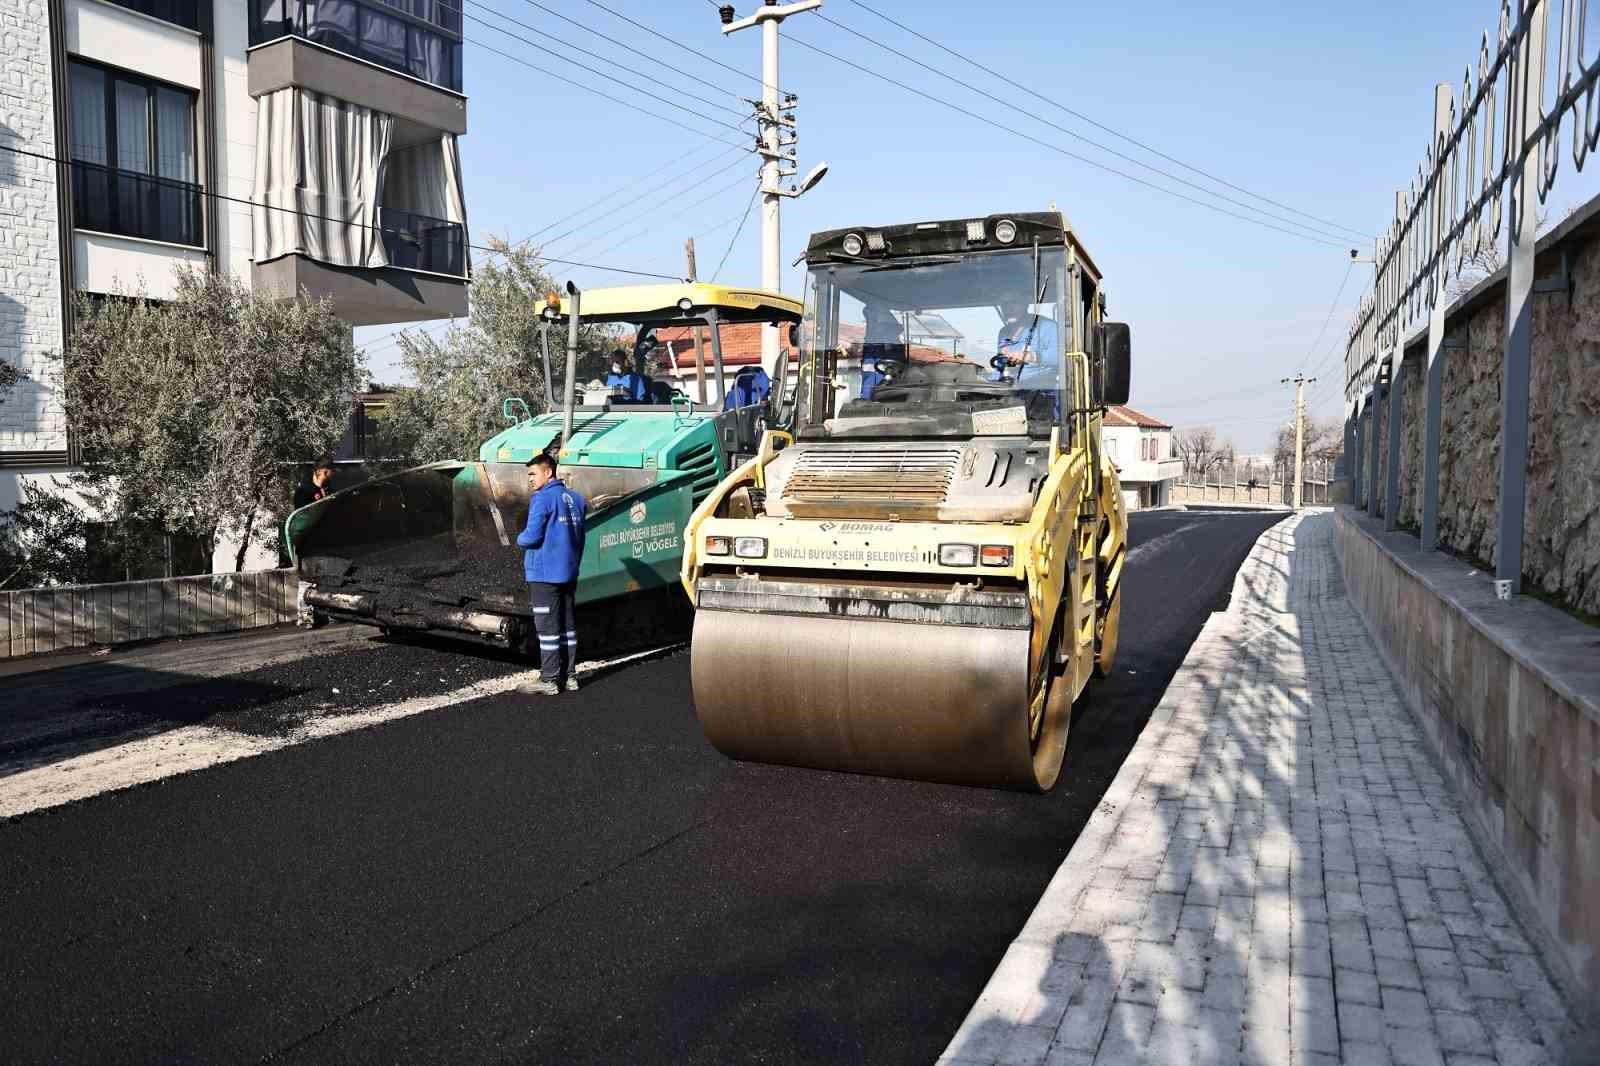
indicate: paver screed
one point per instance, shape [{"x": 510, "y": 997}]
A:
[{"x": 1278, "y": 874}]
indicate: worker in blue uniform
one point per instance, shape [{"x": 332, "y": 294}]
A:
[
  {"x": 626, "y": 383},
  {"x": 552, "y": 543}
]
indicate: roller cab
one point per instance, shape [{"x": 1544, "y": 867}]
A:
[{"x": 919, "y": 573}]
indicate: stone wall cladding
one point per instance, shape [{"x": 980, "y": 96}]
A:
[
  {"x": 1561, "y": 535},
  {"x": 31, "y": 419},
  {"x": 1411, "y": 415},
  {"x": 1561, "y": 542}
]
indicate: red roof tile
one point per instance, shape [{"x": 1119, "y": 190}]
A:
[{"x": 1122, "y": 415}]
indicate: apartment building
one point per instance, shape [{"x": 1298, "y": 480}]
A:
[{"x": 297, "y": 144}]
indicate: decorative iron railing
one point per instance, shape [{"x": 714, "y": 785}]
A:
[
  {"x": 1493, "y": 158},
  {"x": 1507, "y": 123}
]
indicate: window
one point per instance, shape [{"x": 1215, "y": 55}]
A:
[
  {"x": 184, "y": 13},
  {"x": 132, "y": 145},
  {"x": 1111, "y": 446}
]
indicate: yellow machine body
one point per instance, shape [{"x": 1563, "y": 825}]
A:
[{"x": 884, "y": 591}]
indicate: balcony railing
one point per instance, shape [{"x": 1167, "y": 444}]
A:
[
  {"x": 136, "y": 205},
  {"x": 421, "y": 38},
  {"x": 418, "y": 242}
]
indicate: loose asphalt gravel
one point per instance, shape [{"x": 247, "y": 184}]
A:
[{"x": 576, "y": 880}]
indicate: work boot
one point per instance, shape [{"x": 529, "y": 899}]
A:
[
  {"x": 540, "y": 687},
  {"x": 572, "y": 683}
]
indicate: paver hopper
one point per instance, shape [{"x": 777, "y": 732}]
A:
[{"x": 434, "y": 547}]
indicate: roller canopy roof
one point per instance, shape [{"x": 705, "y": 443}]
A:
[{"x": 650, "y": 305}]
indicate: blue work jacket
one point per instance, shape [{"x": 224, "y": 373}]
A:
[
  {"x": 634, "y": 385},
  {"x": 553, "y": 538}
]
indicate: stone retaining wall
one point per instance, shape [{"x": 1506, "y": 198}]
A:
[
  {"x": 1508, "y": 696},
  {"x": 36, "y": 621},
  {"x": 1561, "y": 536}
]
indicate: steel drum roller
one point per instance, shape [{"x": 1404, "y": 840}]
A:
[{"x": 923, "y": 701}]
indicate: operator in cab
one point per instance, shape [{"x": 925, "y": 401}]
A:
[
  {"x": 633, "y": 385},
  {"x": 1029, "y": 341},
  {"x": 881, "y": 343}
]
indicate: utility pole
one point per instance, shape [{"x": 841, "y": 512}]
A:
[
  {"x": 775, "y": 117},
  {"x": 699, "y": 334},
  {"x": 1300, "y": 383}
]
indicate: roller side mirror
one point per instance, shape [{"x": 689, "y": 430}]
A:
[{"x": 1115, "y": 343}]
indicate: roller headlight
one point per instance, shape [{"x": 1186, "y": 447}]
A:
[
  {"x": 852, "y": 244},
  {"x": 716, "y": 545},
  {"x": 750, "y": 547},
  {"x": 958, "y": 555},
  {"x": 975, "y": 234},
  {"x": 1005, "y": 231},
  {"x": 686, "y": 305}
]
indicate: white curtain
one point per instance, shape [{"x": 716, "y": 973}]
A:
[{"x": 319, "y": 167}]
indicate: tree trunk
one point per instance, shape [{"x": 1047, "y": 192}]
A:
[{"x": 244, "y": 541}]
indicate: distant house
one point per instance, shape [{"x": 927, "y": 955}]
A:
[{"x": 1141, "y": 447}]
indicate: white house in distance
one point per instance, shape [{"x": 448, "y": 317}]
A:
[{"x": 1141, "y": 447}]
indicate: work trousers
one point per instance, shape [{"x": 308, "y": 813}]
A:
[{"x": 555, "y": 622}]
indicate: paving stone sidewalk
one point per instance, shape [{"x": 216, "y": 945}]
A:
[{"x": 1278, "y": 874}]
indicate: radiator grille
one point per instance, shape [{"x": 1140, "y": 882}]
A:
[{"x": 912, "y": 474}]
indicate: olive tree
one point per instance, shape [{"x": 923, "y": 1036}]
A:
[
  {"x": 462, "y": 377},
  {"x": 190, "y": 412}
]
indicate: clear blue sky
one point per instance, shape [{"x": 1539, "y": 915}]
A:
[{"x": 1326, "y": 108}]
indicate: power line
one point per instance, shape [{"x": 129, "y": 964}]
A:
[
  {"x": 593, "y": 238},
  {"x": 188, "y": 187},
  {"x": 669, "y": 165},
  {"x": 627, "y": 47},
  {"x": 1100, "y": 126},
  {"x": 1073, "y": 133},
  {"x": 654, "y": 96},
  {"x": 594, "y": 55},
  {"x": 1063, "y": 151},
  {"x": 735, "y": 239},
  {"x": 705, "y": 199},
  {"x": 673, "y": 41},
  {"x": 1311, "y": 349},
  {"x": 600, "y": 92}
]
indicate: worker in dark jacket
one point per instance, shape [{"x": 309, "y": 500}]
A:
[
  {"x": 553, "y": 547},
  {"x": 305, "y": 494}
]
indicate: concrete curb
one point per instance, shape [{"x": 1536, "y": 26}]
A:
[{"x": 1016, "y": 981}]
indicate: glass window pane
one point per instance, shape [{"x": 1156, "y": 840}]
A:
[
  {"x": 332, "y": 22},
  {"x": 87, "y": 118},
  {"x": 428, "y": 57},
  {"x": 133, "y": 127},
  {"x": 383, "y": 39},
  {"x": 175, "y": 135}
]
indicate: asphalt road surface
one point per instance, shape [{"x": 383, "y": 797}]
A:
[{"x": 577, "y": 880}]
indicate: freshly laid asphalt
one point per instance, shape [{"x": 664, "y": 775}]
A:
[{"x": 574, "y": 880}]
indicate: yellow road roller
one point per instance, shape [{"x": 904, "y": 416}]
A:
[{"x": 920, "y": 571}]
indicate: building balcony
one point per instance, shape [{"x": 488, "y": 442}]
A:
[
  {"x": 365, "y": 296},
  {"x": 401, "y": 57}
]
